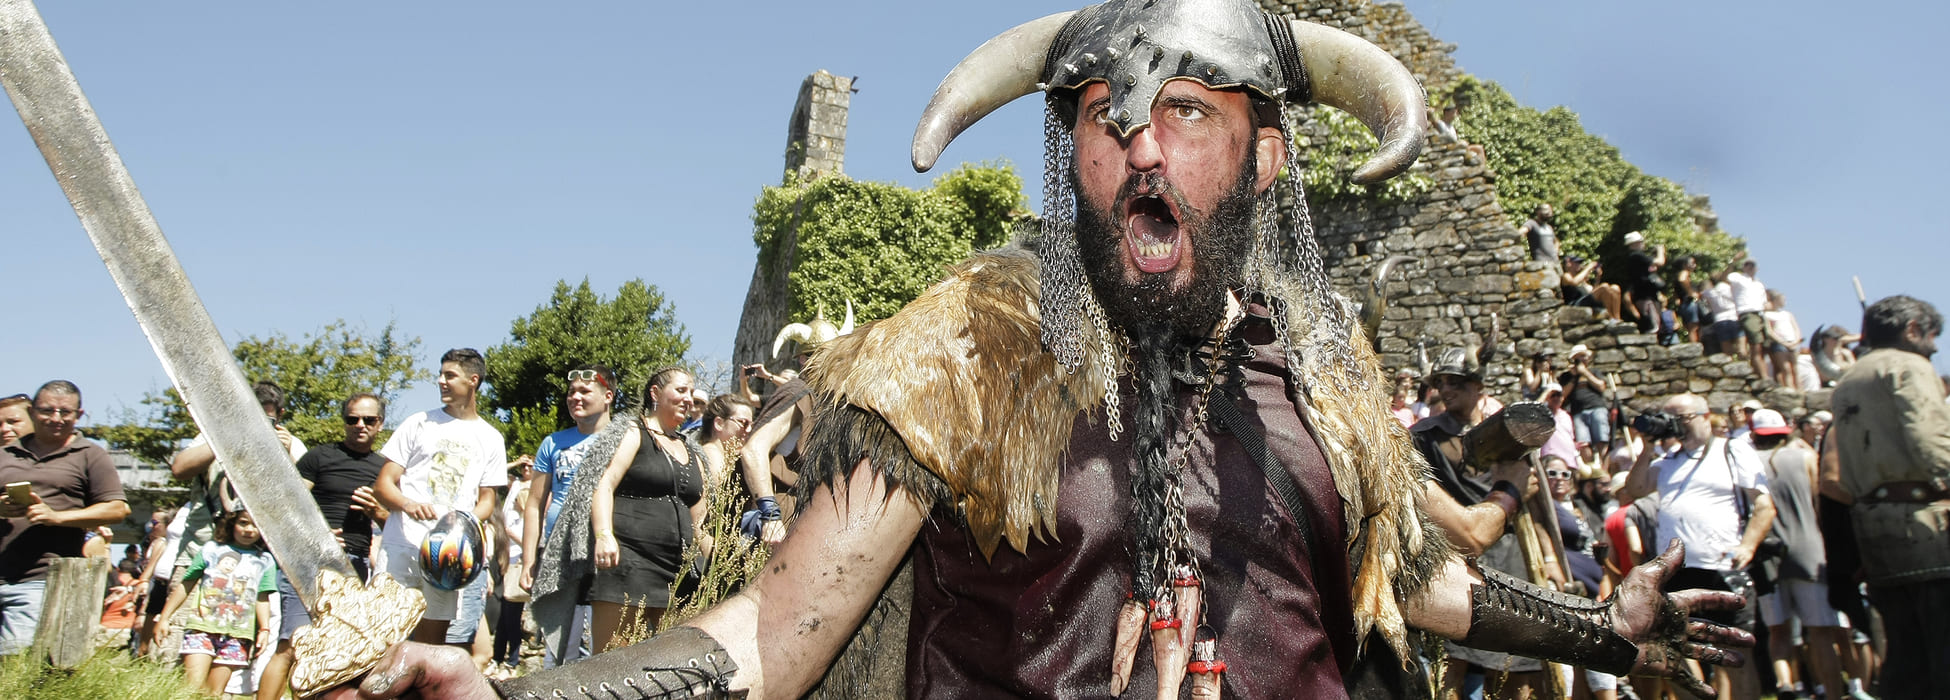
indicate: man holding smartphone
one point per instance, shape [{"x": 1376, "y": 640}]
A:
[{"x": 60, "y": 486}]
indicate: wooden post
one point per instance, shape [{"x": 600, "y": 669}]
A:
[{"x": 71, "y": 611}]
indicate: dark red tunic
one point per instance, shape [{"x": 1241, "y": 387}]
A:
[{"x": 1042, "y": 624}]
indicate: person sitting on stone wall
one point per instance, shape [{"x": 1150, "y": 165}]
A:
[
  {"x": 1584, "y": 393},
  {"x": 1578, "y": 287}
]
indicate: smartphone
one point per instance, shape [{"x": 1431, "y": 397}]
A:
[{"x": 21, "y": 493}]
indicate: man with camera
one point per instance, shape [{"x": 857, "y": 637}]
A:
[{"x": 1713, "y": 497}]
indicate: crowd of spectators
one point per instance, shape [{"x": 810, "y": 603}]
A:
[
  {"x": 1763, "y": 502},
  {"x": 201, "y": 588}
]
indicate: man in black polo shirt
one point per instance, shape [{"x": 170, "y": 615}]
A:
[
  {"x": 75, "y": 489},
  {"x": 341, "y": 476}
]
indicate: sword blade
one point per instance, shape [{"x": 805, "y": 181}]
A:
[{"x": 125, "y": 234}]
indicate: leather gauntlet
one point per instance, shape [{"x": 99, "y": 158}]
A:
[
  {"x": 681, "y": 663},
  {"x": 1515, "y": 617}
]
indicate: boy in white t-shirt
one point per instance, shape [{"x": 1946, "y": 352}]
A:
[{"x": 438, "y": 462}]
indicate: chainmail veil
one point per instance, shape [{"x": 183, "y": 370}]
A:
[
  {"x": 1073, "y": 321},
  {"x": 1316, "y": 321}
]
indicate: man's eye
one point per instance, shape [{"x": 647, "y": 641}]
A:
[{"x": 1187, "y": 112}]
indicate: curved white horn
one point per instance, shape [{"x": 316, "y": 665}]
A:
[
  {"x": 792, "y": 331},
  {"x": 847, "y": 327},
  {"x": 996, "y": 73},
  {"x": 1354, "y": 75}
]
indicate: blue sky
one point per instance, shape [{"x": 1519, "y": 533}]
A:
[{"x": 442, "y": 165}]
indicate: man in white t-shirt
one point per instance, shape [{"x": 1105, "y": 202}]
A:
[
  {"x": 1750, "y": 300},
  {"x": 438, "y": 462},
  {"x": 1703, "y": 488}
]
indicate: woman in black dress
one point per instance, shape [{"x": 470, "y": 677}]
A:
[{"x": 644, "y": 512}]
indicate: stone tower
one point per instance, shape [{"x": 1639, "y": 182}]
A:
[{"x": 815, "y": 146}]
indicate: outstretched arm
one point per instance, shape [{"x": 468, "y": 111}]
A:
[
  {"x": 780, "y": 634},
  {"x": 1638, "y": 630}
]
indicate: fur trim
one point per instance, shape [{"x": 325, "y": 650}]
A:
[
  {"x": 960, "y": 373},
  {"x": 961, "y": 377},
  {"x": 1392, "y": 548}
]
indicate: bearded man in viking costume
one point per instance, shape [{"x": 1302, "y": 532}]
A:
[{"x": 1154, "y": 428}]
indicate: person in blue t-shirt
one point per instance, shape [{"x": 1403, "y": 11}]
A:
[{"x": 592, "y": 392}]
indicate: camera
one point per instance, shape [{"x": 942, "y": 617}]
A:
[{"x": 1658, "y": 425}]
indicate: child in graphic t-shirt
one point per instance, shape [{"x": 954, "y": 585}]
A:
[{"x": 228, "y": 586}]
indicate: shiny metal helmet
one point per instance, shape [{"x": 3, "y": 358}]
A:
[
  {"x": 813, "y": 334},
  {"x": 1134, "y": 47},
  {"x": 454, "y": 551}
]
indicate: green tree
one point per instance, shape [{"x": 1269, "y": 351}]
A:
[
  {"x": 317, "y": 373},
  {"x": 878, "y": 244},
  {"x": 634, "y": 333}
]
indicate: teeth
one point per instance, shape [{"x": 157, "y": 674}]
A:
[{"x": 1154, "y": 250}]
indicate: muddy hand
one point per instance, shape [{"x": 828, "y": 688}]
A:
[
  {"x": 1130, "y": 620},
  {"x": 412, "y": 670},
  {"x": 1661, "y": 625}
]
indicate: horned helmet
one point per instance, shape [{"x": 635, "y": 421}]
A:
[{"x": 813, "y": 334}]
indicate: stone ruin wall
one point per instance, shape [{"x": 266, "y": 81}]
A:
[
  {"x": 815, "y": 146},
  {"x": 1471, "y": 262}
]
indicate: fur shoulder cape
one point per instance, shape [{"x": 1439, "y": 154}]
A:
[{"x": 960, "y": 375}]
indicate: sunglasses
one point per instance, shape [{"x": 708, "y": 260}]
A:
[
  {"x": 588, "y": 375},
  {"x": 368, "y": 420},
  {"x": 1555, "y": 474}
]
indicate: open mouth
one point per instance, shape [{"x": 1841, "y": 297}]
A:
[{"x": 1152, "y": 234}]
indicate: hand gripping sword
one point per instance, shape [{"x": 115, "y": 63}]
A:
[{"x": 125, "y": 234}]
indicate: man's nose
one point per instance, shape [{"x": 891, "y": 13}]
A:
[{"x": 1142, "y": 151}]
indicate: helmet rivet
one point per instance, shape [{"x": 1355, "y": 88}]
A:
[
  {"x": 1090, "y": 59},
  {"x": 1138, "y": 33},
  {"x": 1211, "y": 70},
  {"x": 1124, "y": 116},
  {"x": 1188, "y": 57},
  {"x": 1114, "y": 53},
  {"x": 1130, "y": 80},
  {"x": 1157, "y": 53}
]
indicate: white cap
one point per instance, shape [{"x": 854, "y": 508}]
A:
[
  {"x": 1768, "y": 421},
  {"x": 1579, "y": 349},
  {"x": 1634, "y": 237},
  {"x": 1751, "y": 405}
]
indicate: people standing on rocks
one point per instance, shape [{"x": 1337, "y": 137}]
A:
[
  {"x": 1722, "y": 336},
  {"x": 1643, "y": 282},
  {"x": 1686, "y": 297},
  {"x": 1402, "y": 403},
  {"x": 1541, "y": 370},
  {"x": 1783, "y": 339},
  {"x": 1541, "y": 235},
  {"x": 1750, "y": 302}
]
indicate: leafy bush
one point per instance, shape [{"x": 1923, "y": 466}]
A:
[{"x": 880, "y": 244}]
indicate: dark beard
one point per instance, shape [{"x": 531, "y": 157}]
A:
[
  {"x": 1220, "y": 241},
  {"x": 1164, "y": 326}
]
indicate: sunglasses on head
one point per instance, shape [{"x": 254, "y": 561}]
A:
[
  {"x": 368, "y": 420},
  {"x": 588, "y": 375}
]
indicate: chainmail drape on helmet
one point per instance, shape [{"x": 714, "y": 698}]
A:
[{"x": 1286, "y": 269}]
